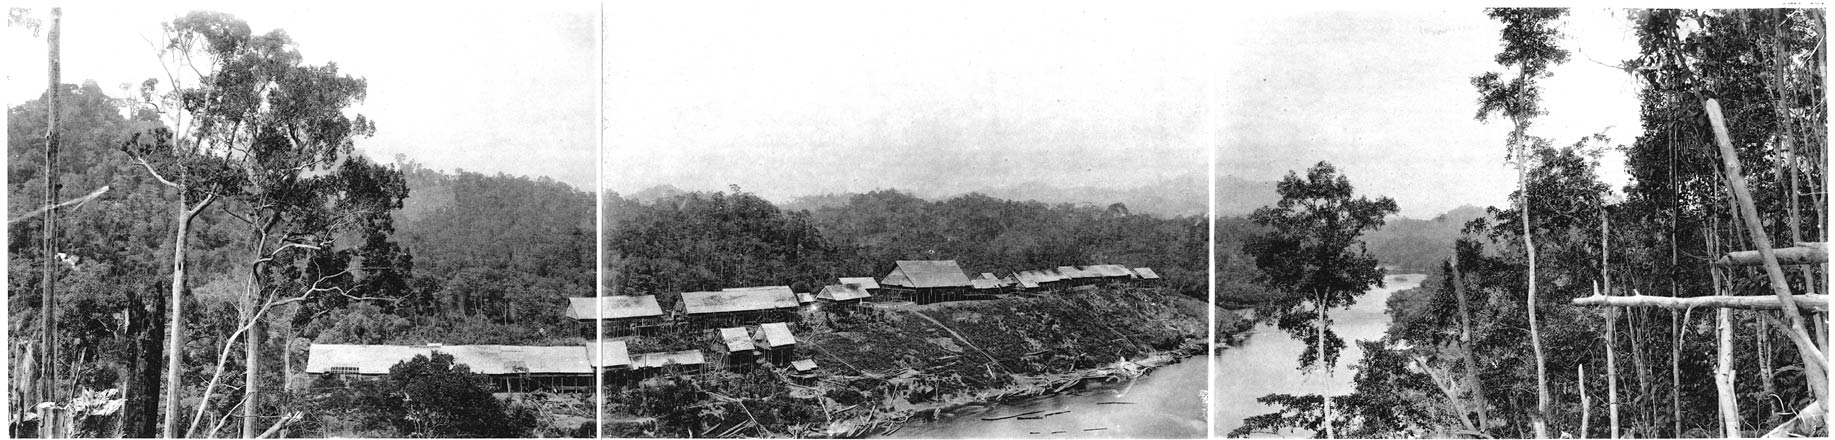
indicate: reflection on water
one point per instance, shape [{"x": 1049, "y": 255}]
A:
[
  {"x": 1163, "y": 404},
  {"x": 1268, "y": 362}
]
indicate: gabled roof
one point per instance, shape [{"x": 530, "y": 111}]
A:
[
  {"x": 360, "y": 359},
  {"x": 803, "y": 365},
  {"x": 1146, "y": 273},
  {"x": 615, "y": 355},
  {"x": 777, "y": 334},
  {"x": 1110, "y": 270},
  {"x": 924, "y": 274},
  {"x": 805, "y": 297},
  {"x": 982, "y": 283},
  {"x": 989, "y": 277},
  {"x": 739, "y": 300},
  {"x": 736, "y": 339},
  {"x": 1077, "y": 272},
  {"x": 484, "y": 359},
  {"x": 1038, "y": 276},
  {"x": 863, "y": 282},
  {"x": 1015, "y": 279},
  {"x": 517, "y": 359},
  {"x": 843, "y": 292},
  {"x": 614, "y": 307},
  {"x": 653, "y": 360}
]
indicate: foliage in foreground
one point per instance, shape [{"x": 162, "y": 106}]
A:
[{"x": 420, "y": 397}]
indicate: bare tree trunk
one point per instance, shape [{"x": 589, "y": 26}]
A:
[
  {"x": 1725, "y": 400},
  {"x": 1762, "y": 345},
  {"x": 1611, "y": 366},
  {"x": 1540, "y": 421},
  {"x": 251, "y": 382},
  {"x": 1745, "y": 302},
  {"x": 1675, "y": 291},
  {"x": 1465, "y": 344},
  {"x": 1723, "y": 373},
  {"x": 1815, "y": 363},
  {"x": 175, "y": 351},
  {"x": 175, "y": 345},
  {"x": 1605, "y": 274},
  {"x": 1586, "y": 404},
  {"x": 48, "y": 306}
]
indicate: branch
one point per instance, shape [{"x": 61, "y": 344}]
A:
[
  {"x": 194, "y": 210},
  {"x": 1819, "y": 303},
  {"x": 162, "y": 179},
  {"x": 220, "y": 422},
  {"x": 79, "y": 201},
  {"x": 1802, "y": 253},
  {"x": 289, "y": 418}
]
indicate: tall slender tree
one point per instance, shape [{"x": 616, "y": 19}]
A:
[{"x": 1529, "y": 37}]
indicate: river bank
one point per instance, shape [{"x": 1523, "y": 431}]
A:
[
  {"x": 892, "y": 364},
  {"x": 1267, "y": 359},
  {"x": 1161, "y": 402}
]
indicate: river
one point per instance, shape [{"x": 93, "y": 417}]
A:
[
  {"x": 1267, "y": 362},
  {"x": 1165, "y": 403}
]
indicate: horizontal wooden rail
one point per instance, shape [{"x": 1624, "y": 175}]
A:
[
  {"x": 1818, "y": 303},
  {"x": 1802, "y": 253}
]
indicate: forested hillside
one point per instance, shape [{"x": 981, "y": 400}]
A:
[
  {"x": 471, "y": 258},
  {"x": 1418, "y": 245},
  {"x": 702, "y": 241}
]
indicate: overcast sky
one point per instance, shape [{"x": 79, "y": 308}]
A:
[
  {"x": 938, "y": 97},
  {"x": 509, "y": 89},
  {"x": 1385, "y": 96}
]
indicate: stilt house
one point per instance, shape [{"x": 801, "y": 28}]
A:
[
  {"x": 624, "y": 315},
  {"x": 927, "y": 281}
]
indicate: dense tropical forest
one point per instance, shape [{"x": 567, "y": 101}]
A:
[
  {"x": 707, "y": 241},
  {"x": 1575, "y": 312},
  {"x": 287, "y": 235}
]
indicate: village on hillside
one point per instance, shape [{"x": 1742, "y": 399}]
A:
[{"x": 738, "y": 328}]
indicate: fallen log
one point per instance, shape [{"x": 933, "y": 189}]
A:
[
  {"x": 1810, "y": 421},
  {"x": 1802, "y": 253},
  {"x": 1819, "y": 303},
  {"x": 1012, "y": 416}
]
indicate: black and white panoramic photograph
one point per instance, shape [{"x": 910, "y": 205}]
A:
[
  {"x": 1515, "y": 223},
  {"x": 906, "y": 221},
  {"x": 323, "y": 219}
]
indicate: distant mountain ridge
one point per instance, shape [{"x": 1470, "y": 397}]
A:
[
  {"x": 1237, "y": 196},
  {"x": 1182, "y": 195}
]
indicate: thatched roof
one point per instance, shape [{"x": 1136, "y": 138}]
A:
[
  {"x": 863, "y": 282},
  {"x": 653, "y": 360},
  {"x": 1031, "y": 279},
  {"x": 843, "y": 292},
  {"x": 736, "y": 339},
  {"x": 360, "y": 359},
  {"x": 777, "y": 334},
  {"x": 1110, "y": 270},
  {"x": 518, "y": 359},
  {"x": 485, "y": 359},
  {"x": 925, "y": 274},
  {"x": 614, "y": 307},
  {"x": 739, "y": 300},
  {"x": 616, "y": 355},
  {"x": 1146, "y": 273}
]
